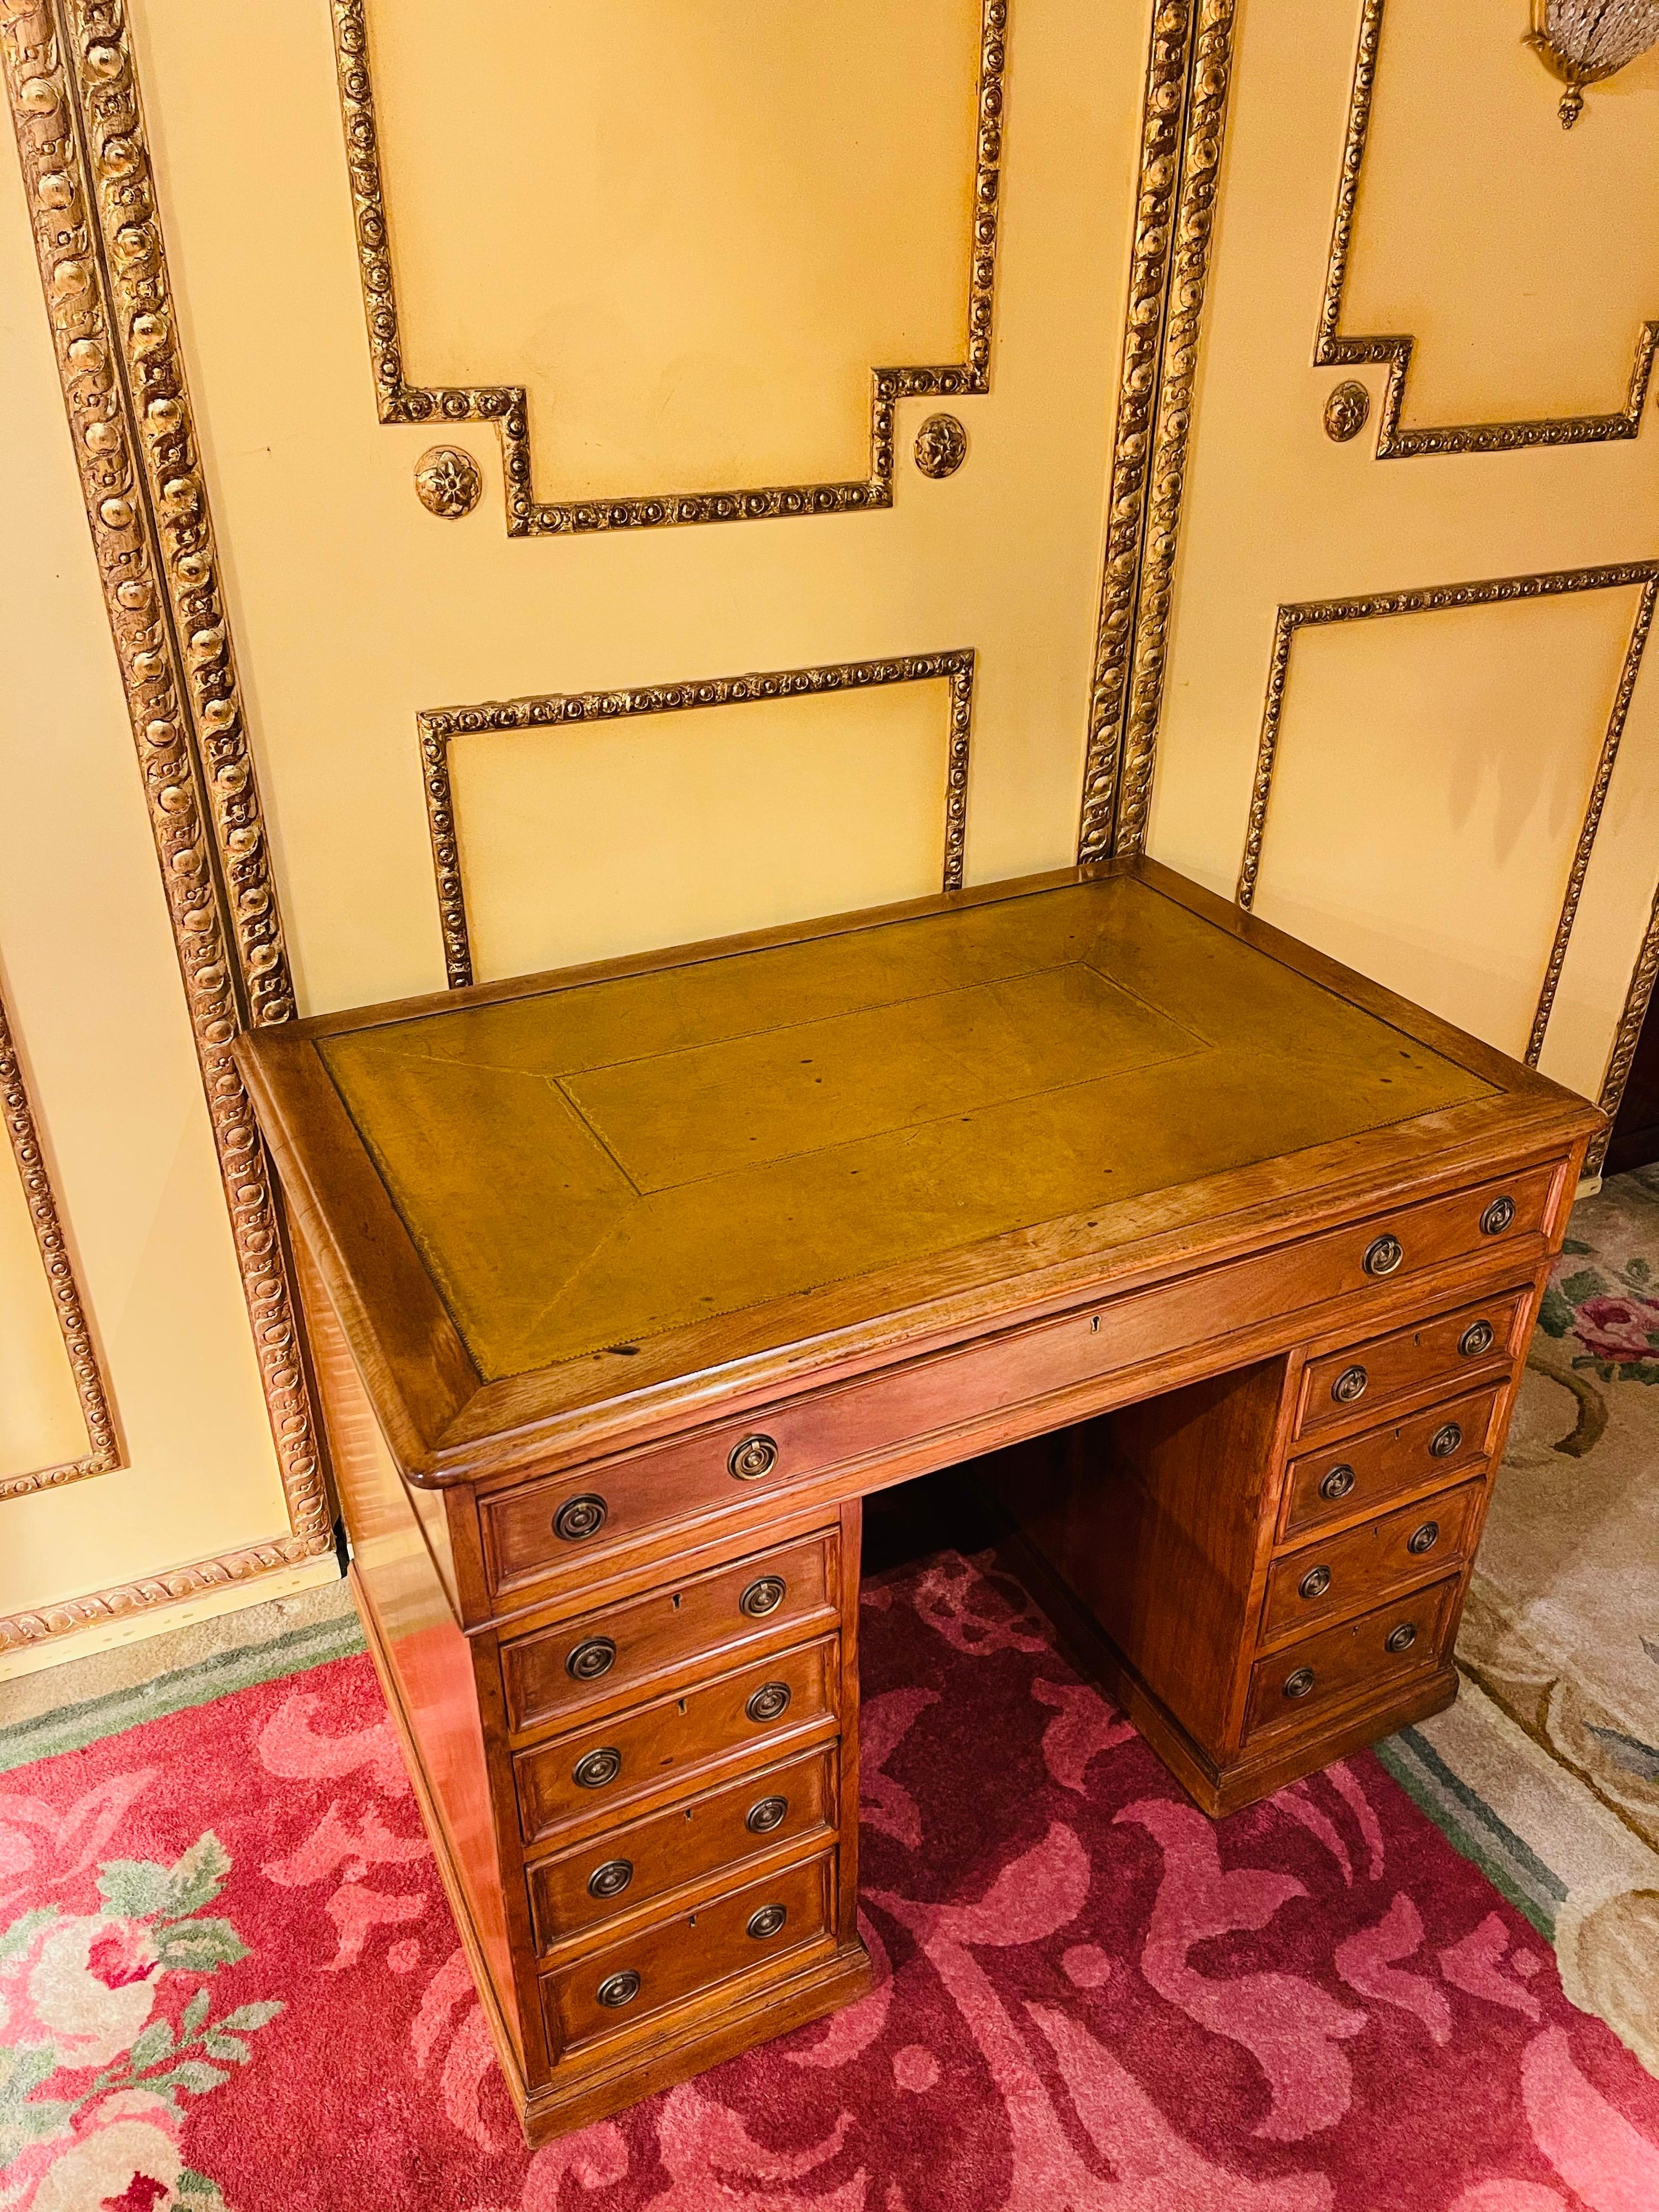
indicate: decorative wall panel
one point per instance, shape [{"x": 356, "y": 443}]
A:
[
  {"x": 1416, "y": 215},
  {"x": 44, "y": 1406},
  {"x": 1514, "y": 240},
  {"x": 87, "y": 170},
  {"x": 721, "y": 887},
  {"x": 698, "y": 111},
  {"x": 1498, "y": 591}
]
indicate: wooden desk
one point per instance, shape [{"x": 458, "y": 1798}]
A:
[{"x": 625, "y": 1284}]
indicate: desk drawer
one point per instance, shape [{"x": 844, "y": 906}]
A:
[
  {"x": 549, "y": 1530},
  {"x": 603, "y": 1655},
  {"x": 1296, "y": 1685},
  {"x": 616, "y": 1988},
  {"x": 611, "y": 1761},
  {"x": 627, "y": 1868},
  {"x": 1364, "y": 1563},
  {"x": 1431, "y": 1354},
  {"x": 1361, "y": 1473}
]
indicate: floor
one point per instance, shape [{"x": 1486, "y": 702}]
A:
[{"x": 229, "y": 1981}]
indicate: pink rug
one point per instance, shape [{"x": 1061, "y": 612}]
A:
[{"x": 228, "y": 1979}]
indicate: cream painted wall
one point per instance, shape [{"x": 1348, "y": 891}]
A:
[
  {"x": 1433, "y": 767},
  {"x": 93, "y": 994},
  {"x": 354, "y": 609}
]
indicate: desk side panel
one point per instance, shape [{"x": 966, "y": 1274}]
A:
[{"x": 404, "y": 1574}]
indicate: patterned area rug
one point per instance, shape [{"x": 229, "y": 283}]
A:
[
  {"x": 228, "y": 1979},
  {"x": 1546, "y": 1769}
]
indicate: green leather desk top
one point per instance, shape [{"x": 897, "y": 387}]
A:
[{"x": 590, "y": 1164}]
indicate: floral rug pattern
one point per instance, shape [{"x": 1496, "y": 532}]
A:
[
  {"x": 231, "y": 1979},
  {"x": 102, "y": 2048}
]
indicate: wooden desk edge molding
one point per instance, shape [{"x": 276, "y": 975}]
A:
[{"x": 626, "y": 1284}]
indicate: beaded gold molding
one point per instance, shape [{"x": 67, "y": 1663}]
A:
[
  {"x": 506, "y": 405},
  {"x": 1436, "y": 598},
  {"x": 103, "y": 1452},
  {"x": 442, "y": 726},
  {"x": 1184, "y": 116},
  {"x": 87, "y": 173},
  {"x": 1332, "y": 350}
]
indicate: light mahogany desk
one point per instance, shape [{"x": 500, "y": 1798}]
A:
[{"x": 625, "y": 1284}]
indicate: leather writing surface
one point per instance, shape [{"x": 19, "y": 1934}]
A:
[{"x": 585, "y": 1166}]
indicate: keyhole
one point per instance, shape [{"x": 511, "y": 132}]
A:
[
  {"x": 1095, "y": 1323},
  {"x": 677, "y": 1600}
]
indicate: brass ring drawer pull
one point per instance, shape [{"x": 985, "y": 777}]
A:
[
  {"x": 1403, "y": 1638},
  {"x": 1498, "y": 1217},
  {"x": 763, "y": 1596},
  {"x": 752, "y": 1457},
  {"x": 579, "y": 1518},
  {"x": 769, "y": 1702},
  {"x": 1337, "y": 1484},
  {"x": 1299, "y": 1684},
  {"x": 1445, "y": 1441},
  {"x": 619, "y": 1989},
  {"x": 1384, "y": 1255},
  {"x": 768, "y": 1921},
  {"x": 1349, "y": 1385},
  {"x": 595, "y": 1768},
  {"x": 1315, "y": 1582},
  {"x": 768, "y": 1813},
  {"x": 1476, "y": 1339},
  {"x": 610, "y": 1879},
  {"x": 1423, "y": 1538},
  {"x": 594, "y": 1656}
]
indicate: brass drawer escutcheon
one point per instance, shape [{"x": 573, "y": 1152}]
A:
[
  {"x": 768, "y": 1921},
  {"x": 1349, "y": 1385},
  {"x": 1337, "y": 1484},
  {"x": 1498, "y": 1217},
  {"x": 1423, "y": 1538},
  {"x": 763, "y": 1596},
  {"x": 1476, "y": 1339},
  {"x": 1315, "y": 1582},
  {"x": 1446, "y": 1440},
  {"x": 768, "y": 1814},
  {"x": 769, "y": 1703},
  {"x": 619, "y": 1990},
  {"x": 610, "y": 1879}
]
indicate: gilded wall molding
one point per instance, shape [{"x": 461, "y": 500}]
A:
[
  {"x": 1438, "y": 598},
  {"x": 439, "y": 728},
  {"x": 72, "y": 1616},
  {"x": 87, "y": 174},
  {"x": 507, "y": 406},
  {"x": 1332, "y": 350},
  {"x": 1184, "y": 118},
  {"x": 103, "y": 1450}
]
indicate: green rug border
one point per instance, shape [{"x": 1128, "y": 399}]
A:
[
  {"x": 72, "y": 1728},
  {"x": 1473, "y": 1829}
]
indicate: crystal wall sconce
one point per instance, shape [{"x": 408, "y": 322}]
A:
[{"x": 1582, "y": 42}]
